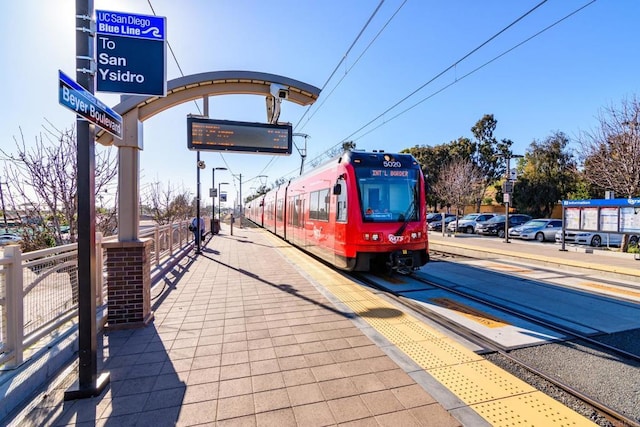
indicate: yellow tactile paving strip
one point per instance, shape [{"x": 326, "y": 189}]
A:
[
  {"x": 568, "y": 262},
  {"x": 611, "y": 289},
  {"x": 498, "y": 396},
  {"x": 592, "y": 285}
]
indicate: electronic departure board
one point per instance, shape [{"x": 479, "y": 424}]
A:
[{"x": 243, "y": 137}]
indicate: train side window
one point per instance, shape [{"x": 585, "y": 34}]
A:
[{"x": 319, "y": 205}]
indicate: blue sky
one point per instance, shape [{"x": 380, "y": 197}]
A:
[{"x": 558, "y": 81}]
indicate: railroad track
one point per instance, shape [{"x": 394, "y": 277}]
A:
[{"x": 608, "y": 414}]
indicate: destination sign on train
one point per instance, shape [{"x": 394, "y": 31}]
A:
[{"x": 242, "y": 137}]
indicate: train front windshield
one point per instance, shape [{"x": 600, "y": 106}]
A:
[{"x": 388, "y": 195}]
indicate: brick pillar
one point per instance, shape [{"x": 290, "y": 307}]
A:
[{"x": 128, "y": 284}]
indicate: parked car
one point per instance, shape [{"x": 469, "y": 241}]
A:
[
  {"x": 541, "y": 229},
  {"x": 437, "y": 225},
  {"x": 468, "y": 222},
  {"x": 437, "y": 216},
  {"x": 8, "y": 238},
  {"x": 593, "y": 238},
  {"x": 496, "y": 225}
]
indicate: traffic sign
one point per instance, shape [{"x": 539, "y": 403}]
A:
[
  {"x": 513, "y": 174},
  {"x": 507, "y": 187},
  {"x": 83, "y": 103},
  {"x": 131, "y": 53}
]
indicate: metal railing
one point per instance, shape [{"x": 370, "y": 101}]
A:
[{"x": 39, "y": 289}]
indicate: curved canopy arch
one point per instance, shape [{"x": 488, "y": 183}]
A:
[{"x": 196, "y": 86}]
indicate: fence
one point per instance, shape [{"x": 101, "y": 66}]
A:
[{"x": 39, "y": 289}]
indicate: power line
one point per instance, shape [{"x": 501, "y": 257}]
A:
[
  {"x": 351, "y": 136},
  {"x": 345, "y": 55},
  {"x": 480, "y": 67},
  {"x": 325, "y": 98},
  {"x": 450, "y": 67}
]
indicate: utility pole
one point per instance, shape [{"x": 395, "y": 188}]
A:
[
  {"x": 213, "y": 198},
  {"x": 89, "y": 384},
  {"x": 508, "y": 192},
  {"x": 200, "y": 165},
  {"x": 302, "y": 151}
]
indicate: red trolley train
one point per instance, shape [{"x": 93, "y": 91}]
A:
[{"x": 361, "y": 211}]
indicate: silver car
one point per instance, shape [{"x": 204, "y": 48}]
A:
[
  {"x": 468, "y": 222},
  {"x": 541, "y": 229}
]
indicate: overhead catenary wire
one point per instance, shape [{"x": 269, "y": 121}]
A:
[
  {"x": 337, "y": 67},
  {"x": 325, "y": 98},
  {"x": 352, "y": 137},
  {"x": 344, "y": 57},
  {"x": 447, "y": 69},
  {"x": 495, "y": 58}
]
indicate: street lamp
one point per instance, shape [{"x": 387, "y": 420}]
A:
[
  {"x": 213, "y": 186},
  {"x": 220, "y": 197},
  {"x": 507, "y": 190},
  {"x": 199, "y": 165}
]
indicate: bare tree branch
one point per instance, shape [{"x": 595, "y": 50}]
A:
[
  {"x": 460, "y": 183},
  {"x": 42, "y": 180},
  {"x": 611, "y": 153}
]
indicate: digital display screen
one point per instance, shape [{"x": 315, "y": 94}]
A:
[{"x": 243, "y": 137}]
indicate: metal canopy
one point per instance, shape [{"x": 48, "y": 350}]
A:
[{"x": 196, "y": 86}]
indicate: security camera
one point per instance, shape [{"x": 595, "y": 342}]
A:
[
  {"x": 283, "y": 93},
  {"x": 201, "y": 164},
  {"x": 279, "y": 91}
]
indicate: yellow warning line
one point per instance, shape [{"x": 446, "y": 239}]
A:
[
  {"x": 499, "y": 397},
  {"x": 509, "y": 268},
  {"x": 478, "y": 316},
  {"x": 611, "y": 289}
]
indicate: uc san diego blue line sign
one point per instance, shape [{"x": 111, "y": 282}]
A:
[
  {"x": 83, "y": 103},
  {"x": 131, "y": 53}
]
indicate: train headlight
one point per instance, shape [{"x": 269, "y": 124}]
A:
[
  {"x": 416, "y": 235},
  {"x": 371, "y": 236}
]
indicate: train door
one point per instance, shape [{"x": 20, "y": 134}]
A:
[
  {"x": 295, "y": 223},
  {"x": 341, "y": 220}
]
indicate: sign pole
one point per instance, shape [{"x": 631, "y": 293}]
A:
[{"x": 88, "y": 384}]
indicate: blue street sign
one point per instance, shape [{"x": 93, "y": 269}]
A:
[
  {"x": 83, "y": 103},
  {"x": 130, "y": 25},
  {"x": 131, "y": 53}
]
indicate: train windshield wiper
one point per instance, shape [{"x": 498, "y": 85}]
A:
[{"x": 408, "y": 215}]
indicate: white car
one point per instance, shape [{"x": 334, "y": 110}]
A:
[
  {"x": 593, "y": 238},
  {"x": 8, "y": 238}
]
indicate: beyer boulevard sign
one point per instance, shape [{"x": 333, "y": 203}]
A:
[
  {"x": 83, "y": 103},
  {"x": 131, "y": 53}
]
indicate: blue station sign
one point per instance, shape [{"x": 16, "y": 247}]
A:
[
  {"x": 131, "y": 53},
  {"x": 130, "y": 25},
  {"x": 83, "y": 103}
]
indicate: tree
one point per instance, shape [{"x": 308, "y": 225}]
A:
[
  {"x": 459, "y": 183},
  {"x": 42, "y": 183},
  {"x": 611, "y": 153},
  {"x": 433, "y": 159},
  {"x": 168, "y": 206},
  {"x": 548, "y": 175},
  {"x": 489, "y": 152}
]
